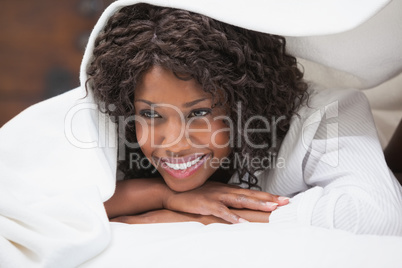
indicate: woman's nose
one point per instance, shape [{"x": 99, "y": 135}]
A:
[{"x": 174, "y": 136}]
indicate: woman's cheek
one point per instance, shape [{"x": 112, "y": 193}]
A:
[
  {"x": 220, "y": 135},
  {"x": 139, "y": 132},
  {"x": 143, "y": 138}
]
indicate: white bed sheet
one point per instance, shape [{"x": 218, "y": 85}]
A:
[{"x": 244, "y": 245}]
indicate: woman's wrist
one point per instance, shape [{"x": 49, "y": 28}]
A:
[
  {"x": 160, "y": 192},
  {"x": 166, "y": 194},
  {"x": 136, "y": 196}
]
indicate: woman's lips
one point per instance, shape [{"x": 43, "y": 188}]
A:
[
  {"x": 183, "y": 167},
  {"x": 180, "y": 160}
]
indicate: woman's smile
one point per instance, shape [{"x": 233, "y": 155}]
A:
[{"x": 182, "y": 167}]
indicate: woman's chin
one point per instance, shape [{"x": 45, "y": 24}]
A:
[{"x": 182, "y": 186}]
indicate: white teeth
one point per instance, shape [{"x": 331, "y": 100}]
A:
[{"x": 183, "y": 165}]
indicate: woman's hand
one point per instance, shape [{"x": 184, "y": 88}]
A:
[
  {"x": 215, "y": 199},
  {"x": 133, "y": 197},
  {"x": 165, "y": 216}
]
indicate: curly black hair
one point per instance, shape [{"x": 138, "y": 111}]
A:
[{"x": 243, "y": 66}]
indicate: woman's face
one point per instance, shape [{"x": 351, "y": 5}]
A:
[{"x": 178, "y": 131}]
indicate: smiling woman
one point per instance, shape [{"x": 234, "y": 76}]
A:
[
  {"x": 232, "y": 66},
  {"x": 206, "y": 110},
  {"x": 182, "y": 133},
  {"x": 186, "y": 86}
]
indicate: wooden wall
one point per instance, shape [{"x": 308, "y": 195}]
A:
[{"x": 41, "y": 47}]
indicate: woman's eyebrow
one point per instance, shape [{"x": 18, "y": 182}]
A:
[
  {"x": 186, "y": 105},
  {"x": 150, "y": 103},
  {"x": 194, "y": 102}
]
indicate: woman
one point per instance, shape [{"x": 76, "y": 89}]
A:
[{"x": 157, "y": 63}]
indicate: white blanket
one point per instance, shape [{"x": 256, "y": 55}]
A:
[
  {"x": 58, "y": 164},
  {"x": 244, "y": 245}
]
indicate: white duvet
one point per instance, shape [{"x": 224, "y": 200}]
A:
[
  {"x": 58, "y": 165},
  {"x": 244, "y": 245}
]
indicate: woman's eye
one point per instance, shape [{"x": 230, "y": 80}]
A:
[
  {"x": 149, "y": 114},
  {"x": 201, "y": 112}
]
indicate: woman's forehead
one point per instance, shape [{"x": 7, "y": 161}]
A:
[{"x": 160, "y": 84}]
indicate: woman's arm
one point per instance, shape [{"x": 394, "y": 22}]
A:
[
  {"x": 165, "y": 215},
  {"x": 136, "y": 196}
]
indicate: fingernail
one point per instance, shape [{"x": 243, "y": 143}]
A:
[
  {"x": 271, "y": 205},
  {"x": 241, "y": 220},
  {"x": 283, "y": 198}
]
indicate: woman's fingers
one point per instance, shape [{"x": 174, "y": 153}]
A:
[
  {"x": 252, "y": 215},
  {"x": 223, "y": 212},
  {"x": 249, "y": 202},
  {"x": 263, "y": 196},
  {"x": 241, "y": 215},
  {"x": 222, "y": 189},
  {"x": 216, "y": 199},
  {"x": 283, "y": 200}
]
